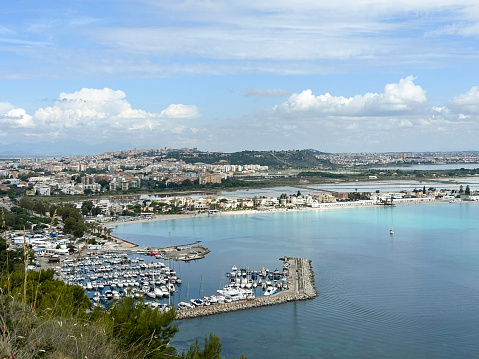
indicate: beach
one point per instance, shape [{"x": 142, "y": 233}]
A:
[{"x": 123, "y": 244}]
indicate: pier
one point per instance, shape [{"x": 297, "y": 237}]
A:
[{"x": 300, "y": 287}]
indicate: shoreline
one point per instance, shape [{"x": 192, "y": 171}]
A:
[{"x": 124, "y": 244}]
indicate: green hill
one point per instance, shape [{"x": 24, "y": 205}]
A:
[{"x": 274, "y": 159}]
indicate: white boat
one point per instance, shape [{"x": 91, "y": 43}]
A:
[
  {"x": 184, "y": 305},
  {"x": 197, "y": 302},
  {"x": 158, "y": 292},
  {"x": 270, "y": 290}
]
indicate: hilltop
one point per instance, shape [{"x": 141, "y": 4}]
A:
[{"x": 273, "y": 159}]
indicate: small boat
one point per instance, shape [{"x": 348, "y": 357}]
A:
[
  {"x": 197, "y": 302},
  {"x": 270, "y": 291},
  {"x": 184, "y": 305}
]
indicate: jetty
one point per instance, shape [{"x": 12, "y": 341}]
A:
[
  {"x": 184, "y": 252},
  {"x": 300, "y": 287}
]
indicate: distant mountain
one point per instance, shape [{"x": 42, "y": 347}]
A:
[
  {"x": 60, "y": 148},
  {"x": 273, "y": 159}
]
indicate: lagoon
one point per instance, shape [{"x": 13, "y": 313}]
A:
[{"x": 410, "y": 295}]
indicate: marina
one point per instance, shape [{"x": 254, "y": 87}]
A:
[
  {"x": 300, "y": 286},
  {"x": 111, "y": 276}
]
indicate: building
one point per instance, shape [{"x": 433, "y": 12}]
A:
[{"x": 205, "y": 178}]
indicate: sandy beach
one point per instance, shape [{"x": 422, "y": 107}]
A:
[
  {"x": 167, "y": 217},
  {"x": 123, "y": 244}
]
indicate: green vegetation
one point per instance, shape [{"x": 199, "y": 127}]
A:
[
  {"x": 41, "y": 317},
  {"x": 325, "y": 175},
  {"x": 19, "y": 218},
  {"x": 273, "y": 159}
]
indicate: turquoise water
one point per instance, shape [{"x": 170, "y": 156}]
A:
[{"x": 411, "y": 295}]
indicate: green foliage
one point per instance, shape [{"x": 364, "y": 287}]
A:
[
  {"x": 86, "y": 207},
  {"x": 29, "y": 335},
  {"x": 324, "y": 175},
  {"x": 211, "y": 349},
  {"x": 33, "y": 205},
  {"x": 72, "y": 220},
  {"x": 95, "y": 211},
  {"x": 8, "y": 259},
  {"x": 273, "y": 159},
  {"x": 53, "y": 321},
  {"x": 141, "y": 329},
  {"x": 358, "y": 196},
  {"x": 18, "y": 218}
]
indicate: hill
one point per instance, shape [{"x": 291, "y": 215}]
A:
[{"x": 273, "y": 159}]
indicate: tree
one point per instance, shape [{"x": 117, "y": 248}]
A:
[
  {"x": 142, "y": 329},
  {"x": 68, "y": 224},
  {"x": 104, "y": 184},
  {"x": 467, "y": 192},
  {"x": 78, "y": 229},
  {"x": 86, "y": 207},
  {"x": 39, "y": 207},
  {"x": 186, "y": 183},
  {"x": 211, "y": 350},
  {"x": 95, "y": 211},
  {"x": 26, "y": 203}
]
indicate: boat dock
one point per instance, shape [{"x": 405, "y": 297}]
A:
[
  {"x": 300, "y": 287},
  {"x": 186, "y": 252}
]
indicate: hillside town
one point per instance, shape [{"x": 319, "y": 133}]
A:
[
  {"x": 113, "y": 171},
  {"x": 160, "y": 169}
]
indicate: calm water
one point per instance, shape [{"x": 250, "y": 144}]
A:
[
  {"x": 429, "y": 167},
  {"x": 413, "y": 295}
]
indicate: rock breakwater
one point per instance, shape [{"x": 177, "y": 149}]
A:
[{"x": 300, "y": 287}]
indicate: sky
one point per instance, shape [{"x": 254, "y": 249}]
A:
[{"x": 337, "y": 76}]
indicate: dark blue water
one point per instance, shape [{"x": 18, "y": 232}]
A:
[{"x": 412, "y": 295}]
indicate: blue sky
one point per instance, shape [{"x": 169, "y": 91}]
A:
[{"x": 345, "y": 76}]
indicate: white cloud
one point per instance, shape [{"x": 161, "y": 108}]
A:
[
  {"x": 466, "y": 103},
  {"x": 104, "y": 108},
  {"x": 94, "y": 115},
  {"x": 397, "y": 119},
  {"x": 405, "y": 123},
  {"x": 90, "y": 107},
  {"x": 180, "y": 111},
  {"x": 402, "y": 97},
  {"x": 14, "y": 117}
]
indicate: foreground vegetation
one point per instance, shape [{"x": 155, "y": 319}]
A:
[{"x": 44, "y": 318}]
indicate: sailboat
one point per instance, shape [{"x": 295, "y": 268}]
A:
[{"x": 391, "y": 231}]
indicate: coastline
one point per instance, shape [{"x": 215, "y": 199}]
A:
[{"x": 124, "y": 244}]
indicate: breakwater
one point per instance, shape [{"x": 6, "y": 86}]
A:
[{"x": 300, "y": 287}]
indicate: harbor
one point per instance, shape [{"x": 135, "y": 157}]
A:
[
  {"x": 108, "y": 277},
  {"x": 299, "y": 286}
]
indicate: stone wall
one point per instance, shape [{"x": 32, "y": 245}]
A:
[{"x": 304, "y": 290}]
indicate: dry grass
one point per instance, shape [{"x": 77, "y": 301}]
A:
[{"x": 28, "y": 336}]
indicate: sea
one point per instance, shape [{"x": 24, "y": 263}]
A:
[{"x": 413, "y": 294}]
